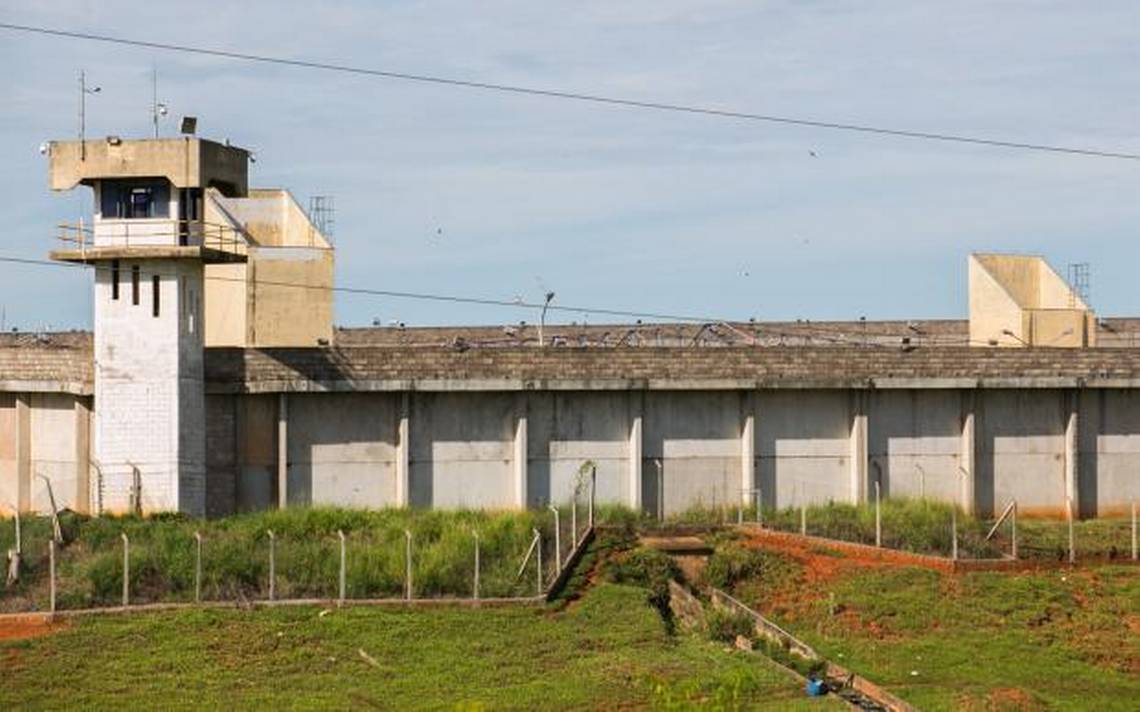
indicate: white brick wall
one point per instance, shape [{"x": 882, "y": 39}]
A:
[{"x": 149, "y": 400}]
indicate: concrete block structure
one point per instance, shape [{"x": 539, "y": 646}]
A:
[
  {"x": 1019, "y": 300},
  {"x": 215, "y": 383}
]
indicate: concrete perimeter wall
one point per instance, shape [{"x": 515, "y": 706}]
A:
[
  {"x": 654, "y": 450},
  {"x": 46, "y": 435}
]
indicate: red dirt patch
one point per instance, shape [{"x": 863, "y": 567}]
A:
[
  {"x": 27, "y": 627},
  {"x": 1133, "y": 623},
  {"x": 1011, "y": 698},
  {"x": 820, "y": 563}
]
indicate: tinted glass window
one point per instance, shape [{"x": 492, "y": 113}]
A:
[{"x": 135, "y": 199}]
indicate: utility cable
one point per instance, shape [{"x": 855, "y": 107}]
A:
[
  {"x": 580, "y": 97},
  {"x": 482, "y": 301},
  {"x": 761, "y": 331}
]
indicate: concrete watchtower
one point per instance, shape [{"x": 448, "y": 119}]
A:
[{"x": 149, "y": 245}]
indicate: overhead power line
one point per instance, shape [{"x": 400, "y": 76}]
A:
[
  {"x": 580, "y": 97},
  {"x": 423, "y": 296},
  {"x": 821, "y": 334}
]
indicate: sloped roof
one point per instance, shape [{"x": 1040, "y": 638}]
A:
[
  {"x": 441, "y": 368},
  {"x": 62, "y": 362},
  {"x": 56, "y": 362}
]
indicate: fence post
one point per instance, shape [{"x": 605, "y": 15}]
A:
[
  {"x": 759, "y": 507},
  {"x": 13, "y": 573},
  {"x": 538, "y": 558},
  {"x": 475, "y": 589},
  {"x": 51, "y": 575},
  {"x": 408, "y": 590},
  {"x": 1134, "y": 531},
  {"x": 126, "y": 570},
  {"x": 557, "y": 540},
  {"x": 661, "y": 491},
  {"x": 341, "y": 579},
  {"x": 1013, "y": 524},
  {"x": 954, "y": 534},
  {"x": 1072, "y": 549},
  {"x": 272, "y": 564},
  {"x": 593, "y": 489},
  {"x": 878, "y": 515},
  {"x": 56, "y": 531},
  {"x": 803, "y": 520},
  {"x": 20, "y": 543},
  {"x": 198, "y": 567},
  {"x": 574, "y": 520}
]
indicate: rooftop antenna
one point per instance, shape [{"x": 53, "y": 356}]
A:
[
  {"x": 1079, "y": 283},
  {"x": 83, "y": 92},
  {"x": 322, "y": 215},
  {"x": 157, "y": 108}
]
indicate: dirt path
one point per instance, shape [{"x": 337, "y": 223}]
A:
[{"x": 27, "y": 627}]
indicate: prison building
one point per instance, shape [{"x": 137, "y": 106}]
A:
[{"x": 214, "y": 382}]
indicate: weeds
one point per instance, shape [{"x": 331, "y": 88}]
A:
[
  {"x": 235, "y": 555},
  {"x": 649, "y": 569},
  {"x": 725, "y": 626}
]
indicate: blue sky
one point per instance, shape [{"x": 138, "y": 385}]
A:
[{"x": 464, "y": 192}]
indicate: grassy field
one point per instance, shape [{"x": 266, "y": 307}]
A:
[
  {"x": 1050, "y": 639},
  {"x": 609, "y": 649}
]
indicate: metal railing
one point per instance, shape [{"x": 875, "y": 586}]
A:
[{"x": 153, "y": 233}]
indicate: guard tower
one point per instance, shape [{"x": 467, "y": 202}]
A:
[{"x": 150, "y": 244}]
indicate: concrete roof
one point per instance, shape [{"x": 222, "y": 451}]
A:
[
  {"x": 57, "y": 362},
  {"x": 62, "y": 362},
  {"x": 1114, "y": 332},
  {"x": 186, "y": 161},
  {"x": 767, "y": 333},
  {"x": 527, "y": 368}
]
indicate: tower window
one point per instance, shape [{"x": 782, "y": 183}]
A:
[
  {"x": 133, "y": 199},
  {"x": 154, "y": 288},
  {"x": 135, "y": 284},
  {"x": 114, "y": 279}
]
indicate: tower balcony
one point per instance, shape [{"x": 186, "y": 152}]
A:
[{"x": 143, "y": 238}]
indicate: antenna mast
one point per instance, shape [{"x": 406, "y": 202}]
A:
[{"x": 157, "y": 109}]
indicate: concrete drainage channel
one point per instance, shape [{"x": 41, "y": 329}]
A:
[{"x": 854, "y": 689}]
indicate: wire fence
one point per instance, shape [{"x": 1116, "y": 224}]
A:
[
  {"x": 933, "y": 527},
  {"x": 344, "y": 555},
  {"x": 297, "y": 555}
]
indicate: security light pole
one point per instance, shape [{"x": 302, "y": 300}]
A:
[
  {"x": 157, "y": 108},
  {"x": 542, "y": 318},
  {"x": 83, "y": 92}
]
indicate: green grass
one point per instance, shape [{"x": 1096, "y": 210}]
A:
[
  {"x": 1060, "y": 639},
  {"x": 606, "y": 650},
  {"x": 235, "y": 559},
  {"x": 235, "y": 554},
  {"x": 924, "y": 526}
]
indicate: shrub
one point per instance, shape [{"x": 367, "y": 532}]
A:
[
  {"x": 733, "y": 563},
  {"x": 725, "y": 625},
  {"x": 648, "y": 568}
]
